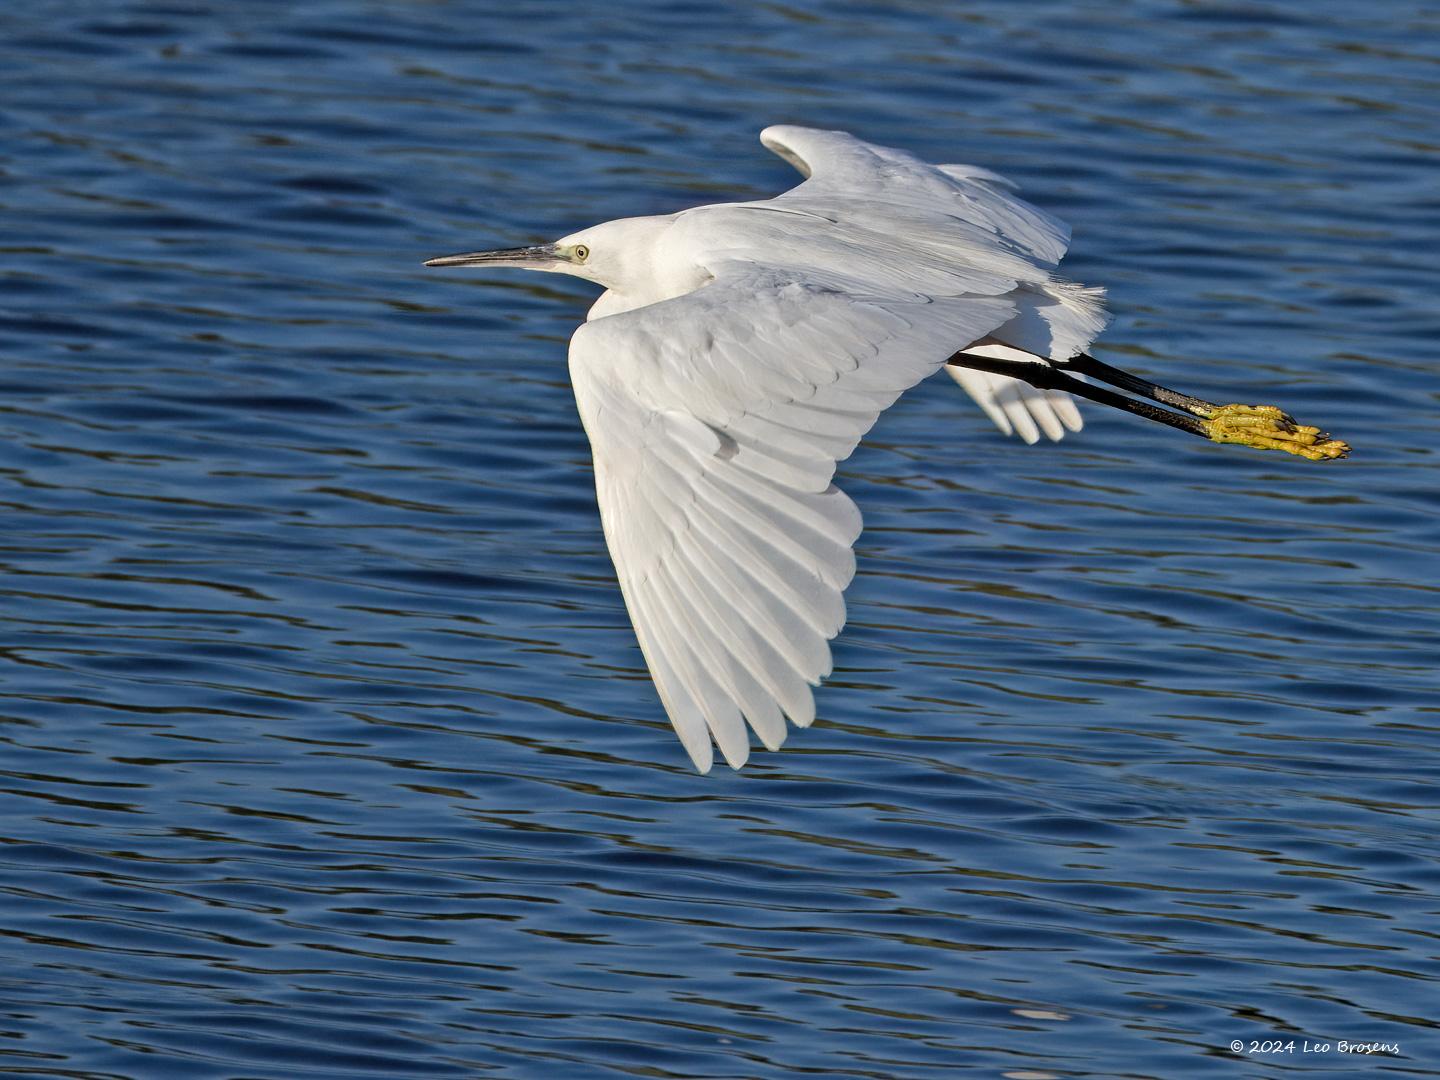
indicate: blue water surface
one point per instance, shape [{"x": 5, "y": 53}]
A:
[{"x": 326, "y": 749}]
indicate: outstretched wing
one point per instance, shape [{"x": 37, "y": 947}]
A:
[
  {"x": 716, "y": 419},
  {"x": 1054, "y": 318},
  {"x": 838, "y": 162}
]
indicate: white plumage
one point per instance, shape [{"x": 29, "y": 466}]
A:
[{"x": 741, "y": 350}]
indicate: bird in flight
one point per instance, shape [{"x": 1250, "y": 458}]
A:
[{"x": 740, "y": 350}]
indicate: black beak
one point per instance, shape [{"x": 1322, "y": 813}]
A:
[{"x": 542, "y": 255}]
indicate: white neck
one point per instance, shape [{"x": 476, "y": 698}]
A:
[
  {"x": 636, "y": 264},
  {"x": 611, "y": 302}
]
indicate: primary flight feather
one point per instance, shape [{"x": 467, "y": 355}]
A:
[{"x": 740, "y": 350}]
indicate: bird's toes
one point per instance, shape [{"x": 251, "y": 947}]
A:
[{"x": 1266, "y": 427}]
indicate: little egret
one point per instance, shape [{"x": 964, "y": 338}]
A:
[{"x": 740, "y": 350}]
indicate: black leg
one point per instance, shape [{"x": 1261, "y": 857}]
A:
[
  {"x": 1261, "y": 426},
  {"x": 1086, "y": 364},
  {"x": 1045, "y": 377}
]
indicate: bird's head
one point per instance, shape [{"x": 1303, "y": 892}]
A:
[{"x": 610, "y": 254}]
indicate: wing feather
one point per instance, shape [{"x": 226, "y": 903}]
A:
[
  {"x": 962, "y": 211},
  {"x": 747, "y": 661},
  {"x": 685, "y": 715},
  {"x": 721, "y": 719},
  {"x": 716, "y": 420},
  {"x": 837, "y": 161}
]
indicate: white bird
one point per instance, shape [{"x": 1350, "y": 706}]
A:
[{"x": 740, "y": 350}]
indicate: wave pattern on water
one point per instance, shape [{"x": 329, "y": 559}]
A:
[{"x": 325, "y": 747}]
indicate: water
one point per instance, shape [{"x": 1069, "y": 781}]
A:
[{"x": 327, "y": 750}]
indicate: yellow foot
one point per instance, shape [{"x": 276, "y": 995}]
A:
[{"x": 1267, "y": 428}]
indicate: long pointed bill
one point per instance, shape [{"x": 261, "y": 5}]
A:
[
  {"x": 538, "y": 257},
  {"x": 1262, "y": 426}
]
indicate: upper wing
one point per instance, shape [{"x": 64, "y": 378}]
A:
[
  {"x": 838, "y": 162},
  {"x": 964, "y": 215},
  {"x": 716, "y": 419},
  {"x": 1018, "y": 408}
]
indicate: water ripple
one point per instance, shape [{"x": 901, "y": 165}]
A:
[{"x": 326, "y": 746}]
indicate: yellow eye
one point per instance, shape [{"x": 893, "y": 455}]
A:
[{"x": 581, "y": 252}]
